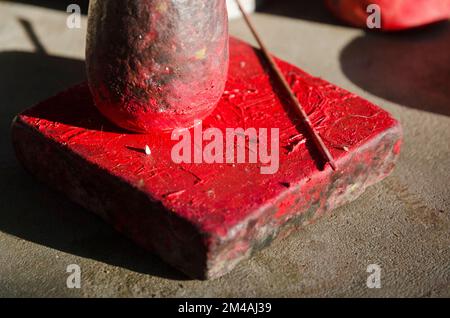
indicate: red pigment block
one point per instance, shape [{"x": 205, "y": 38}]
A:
[{"x": 205, "y": 218}]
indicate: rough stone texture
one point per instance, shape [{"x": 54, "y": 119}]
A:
[{"x": 402, "y": 224}]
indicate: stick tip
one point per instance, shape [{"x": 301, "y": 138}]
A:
[{"x": 332, "y": 164}]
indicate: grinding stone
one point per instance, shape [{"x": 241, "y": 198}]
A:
[{"x": 205, "y": 218}]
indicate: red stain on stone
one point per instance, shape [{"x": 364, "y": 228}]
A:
[{"x": 204, "y": 218}]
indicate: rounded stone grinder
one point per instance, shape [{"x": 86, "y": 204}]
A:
[{"x": 157, "y": 64}]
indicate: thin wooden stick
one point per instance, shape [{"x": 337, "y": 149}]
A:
[{"x": 320, "y": 145}]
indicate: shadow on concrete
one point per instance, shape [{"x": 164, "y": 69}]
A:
[
  {"x": 411, "y": 68},
  {"x": 56, "y": 4},
  {"x": 314, "y": 11},
  {"x": 30, "y": 210}
]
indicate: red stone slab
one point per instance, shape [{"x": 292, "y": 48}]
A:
[{"x": 205, "y": 218}]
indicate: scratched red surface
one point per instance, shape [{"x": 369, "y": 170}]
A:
[{"x": 218, "y": 198}]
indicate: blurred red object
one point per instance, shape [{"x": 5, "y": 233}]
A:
[{"x": 395, "y": 14}]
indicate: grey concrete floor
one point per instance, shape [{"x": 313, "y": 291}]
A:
[{"x": 402, "y": 224}]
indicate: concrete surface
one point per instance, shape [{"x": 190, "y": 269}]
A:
[{"x": 402, "y": 224}]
